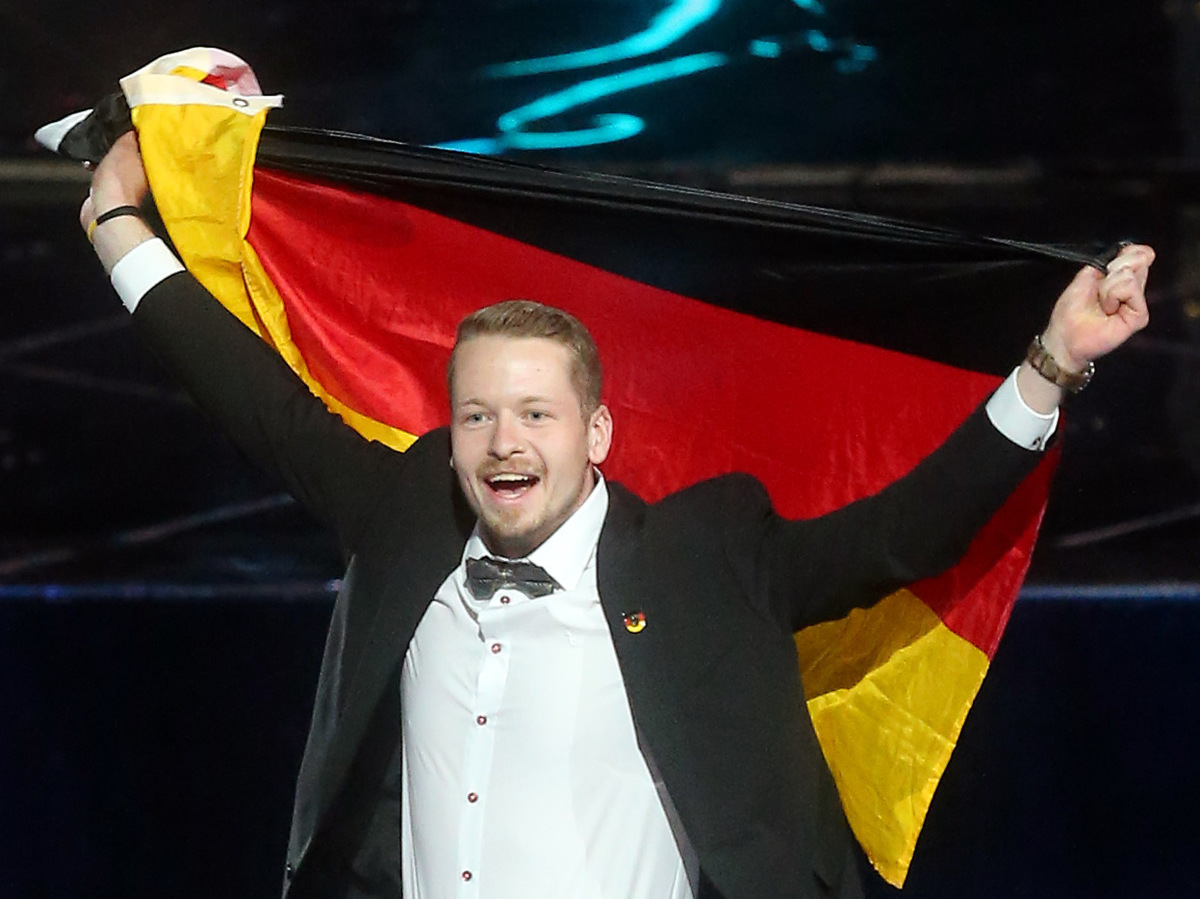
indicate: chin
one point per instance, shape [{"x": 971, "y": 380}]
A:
[{"x": 516, "y": 540}]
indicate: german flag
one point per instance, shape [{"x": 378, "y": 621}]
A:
[{"x": 824, "y": 352}]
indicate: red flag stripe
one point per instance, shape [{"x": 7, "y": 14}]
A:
[{"x": 685, "y": 403}]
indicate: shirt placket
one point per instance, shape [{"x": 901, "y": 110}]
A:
[{"x": 496, "y": 652}]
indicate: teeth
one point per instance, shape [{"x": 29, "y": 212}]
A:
[{"x": 510, "y": 478}]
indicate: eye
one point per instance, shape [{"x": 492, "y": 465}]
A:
[
  {"x": 473, "y": 418},
  {"x": 537, "y": 415}
]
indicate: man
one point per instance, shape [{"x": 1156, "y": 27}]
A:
[{"x": 619, "y": 712}]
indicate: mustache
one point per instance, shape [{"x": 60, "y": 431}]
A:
[{"x": 485, "y": 472}]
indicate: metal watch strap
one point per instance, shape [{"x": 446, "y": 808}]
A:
[{"x": 1047, "y": 366}]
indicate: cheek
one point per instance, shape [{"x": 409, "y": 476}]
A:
[
  {"x": 466, "y": 484},
  {"x": 463, "y": 452},
  {"x": 568, "y": 460}
]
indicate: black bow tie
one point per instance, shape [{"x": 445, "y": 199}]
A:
[{"x": 487, "y": 575}]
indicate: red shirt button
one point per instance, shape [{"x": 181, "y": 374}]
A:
[
  {"x": 495, "y": 647},
  {"x": 482, "y": 719},
  {"x": 472, "y": 797},
  {"x": 504, "y": 600},
  {"x": 466, "y": 875}
]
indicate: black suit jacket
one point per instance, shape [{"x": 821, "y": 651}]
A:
[{"x": 712, "y": 679}]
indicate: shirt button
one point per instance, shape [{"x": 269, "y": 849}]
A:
[
  {"x": 495, "y": 647},
  {"x": 481, "y": 720},
  {"x": 504, "y": 600},
  {"x": 472, "y": 797},
  {"x": 466, "y": 875}
]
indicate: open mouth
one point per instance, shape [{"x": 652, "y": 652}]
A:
[{"x": 510, "y": 484}]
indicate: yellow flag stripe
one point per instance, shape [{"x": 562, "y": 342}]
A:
[
  {"x": 838, "y": 654},
  {"x": 200, "y": 163},
  {"x": 887, "y": 731}
]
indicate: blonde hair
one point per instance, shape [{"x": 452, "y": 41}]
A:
[{"x": 526, "y": 318}]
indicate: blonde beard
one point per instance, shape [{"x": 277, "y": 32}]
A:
[{"x": 504, "y": 531}]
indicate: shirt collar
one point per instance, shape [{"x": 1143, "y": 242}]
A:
[{"x": 565, "y": 554}]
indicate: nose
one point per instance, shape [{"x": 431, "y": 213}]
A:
[{"x": 506, "y": 437}]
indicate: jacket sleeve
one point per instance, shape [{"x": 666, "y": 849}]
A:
[
  {"x": 249, "y": 391},
  {"x": 818, "y": 569}
]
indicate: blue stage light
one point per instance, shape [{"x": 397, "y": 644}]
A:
[
  {"x": 664, "y": 29},
  {"x": 766, "y": 48}
]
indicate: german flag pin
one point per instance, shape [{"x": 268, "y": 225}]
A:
[{"x": 635, "y": 622}]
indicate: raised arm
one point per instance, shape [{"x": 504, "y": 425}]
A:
[
  {"x": 232, "y": 374},
  {"x": 922, "y": 524}
]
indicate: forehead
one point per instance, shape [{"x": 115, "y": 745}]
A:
[{"x": 494, "y": 364}]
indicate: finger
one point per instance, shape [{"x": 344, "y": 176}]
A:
[
  {"x": 1086, "y": 280},
  {"x": 1123, "y": 277},
  {"x": 1118, "y": 288},
  {"x": 1125, "y": 299},
  {"x": 1136, "y": 257},
  {"x": 1135, "y": 310},
  {"x": 1143, "y": 251},
  {"x": 1141, "y": 268},
  {"x": 1137, "y": 317}
]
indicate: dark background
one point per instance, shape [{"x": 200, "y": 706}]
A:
[{"x": 162, "y": 607}]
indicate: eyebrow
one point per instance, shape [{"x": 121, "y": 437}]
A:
[{"x": 522, "y": 401}]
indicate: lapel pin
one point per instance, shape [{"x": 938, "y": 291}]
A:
[{"x": 635, "y": 622}]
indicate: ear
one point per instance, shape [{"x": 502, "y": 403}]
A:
[{"x": 599, "y": 434}]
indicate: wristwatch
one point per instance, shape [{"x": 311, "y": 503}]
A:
[{"x": 1047, "y": 366}]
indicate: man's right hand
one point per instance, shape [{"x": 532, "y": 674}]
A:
[{"x": 119, "y": 180}]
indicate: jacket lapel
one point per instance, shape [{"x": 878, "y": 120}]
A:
[
  {"x": 648, "y": 639},
  {"x": 618, "y": 573},
  {"x": 634, "y": 612}
]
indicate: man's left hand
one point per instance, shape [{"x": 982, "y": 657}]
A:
[
  {"x": 1099, "y": 312},
  {"x": 1095, "y": 314}
]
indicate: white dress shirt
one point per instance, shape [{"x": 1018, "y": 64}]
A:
[{"x": 522, "y": 776}]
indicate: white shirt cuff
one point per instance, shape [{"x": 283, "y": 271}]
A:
[
  {"x": 141, "y": 269},
  {"x": 1016, "y": 421}
]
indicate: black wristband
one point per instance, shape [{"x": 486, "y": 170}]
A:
[
  {"x": 116, "y": 212},
  {"x": 113, "y": 213}
]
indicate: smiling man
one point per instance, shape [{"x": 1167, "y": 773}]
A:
[
  {"x": 535, "y": 684},
  {"x": 527, "y": 425}
]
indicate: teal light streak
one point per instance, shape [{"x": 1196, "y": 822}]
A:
[
  {"x": 664, "y": 29},
  {"x": 766, "y": 49},
  {"x": 605, "y": 128},
  {"x": 481, "y": 146},
  {"x": 817, "y": 41},
  {"x": 860, "y": 57}
]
